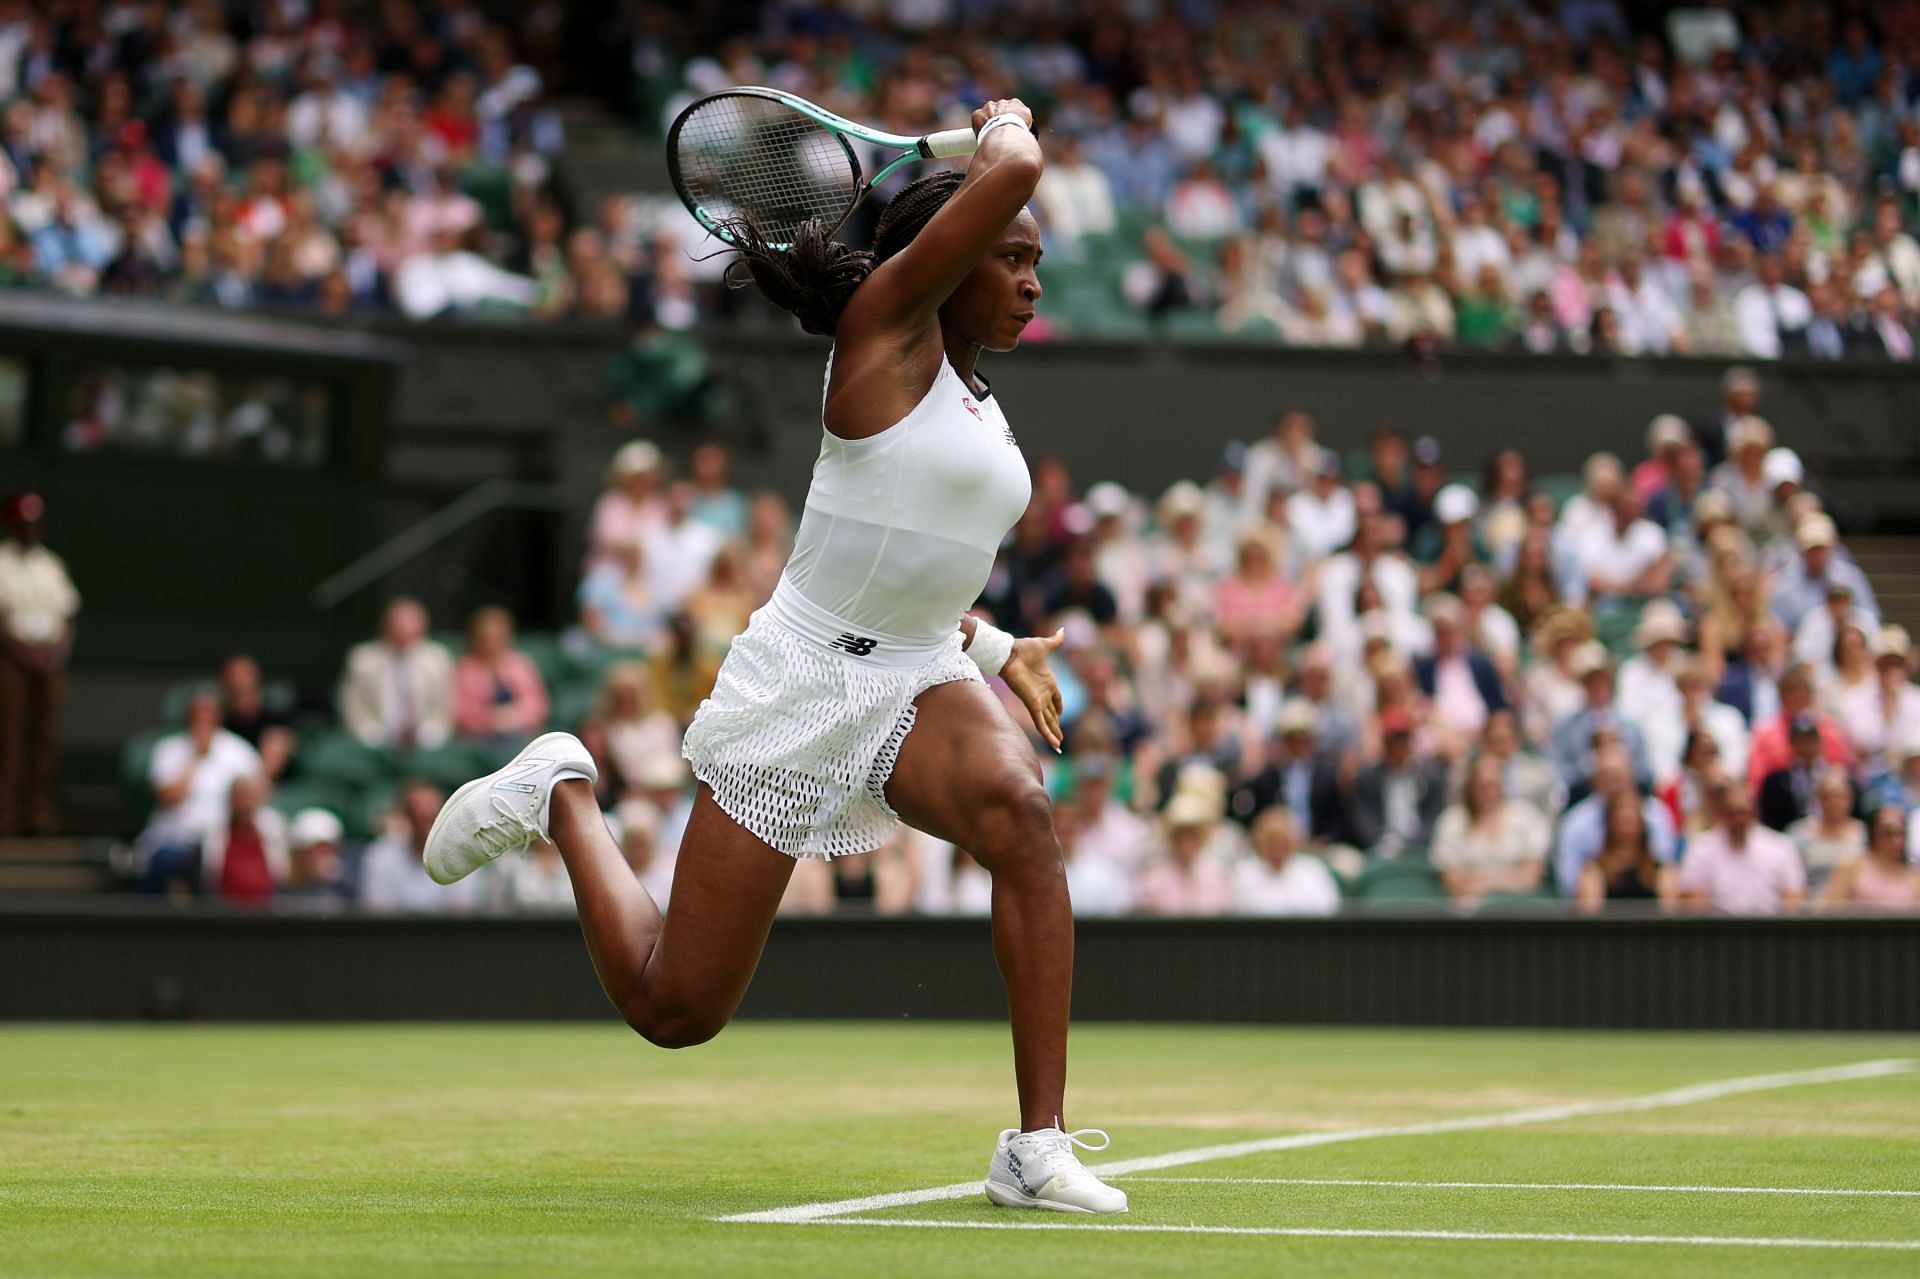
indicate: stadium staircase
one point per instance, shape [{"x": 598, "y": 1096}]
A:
[
  {"x": 1892, "y": 564},
  {"x": 54, "y": 865}
]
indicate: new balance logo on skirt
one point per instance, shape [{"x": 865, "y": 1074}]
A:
[{"x": 858, "y": 645}]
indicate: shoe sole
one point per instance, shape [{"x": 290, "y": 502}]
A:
[
  {"x": 1008, "y": 1197},
  {"x": 427, "y": 859}
]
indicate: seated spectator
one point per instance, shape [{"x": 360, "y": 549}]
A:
[
  {"x": 1446, "y": 544},
  {"x": 1672, "y": 505},
  {"x": 1625, "y": 869},
  {"x": 536, "y": 881},
  {"x": 1490, "y": 628},
  {"x": 1830, "y": 834},
  {"x": 1108, "y": 830},
  {"x": 1668, "y": 436},
  {"x": 1576, "y": 737},
  {"x": 1739, "y": 867},
  {"x": 716, "y": 502},
  {"x": 1845, "y": 674},
  {"x": 1884, "y": 713},
  {"x": 1531, "y": 593},
  {"x": 1461, "y": 685},
  {"x": 393, "y": 876},
  {"x": 1804, "y": 587},
  {"x": 1769, "y": 309},
  {"x": 1395, "y": 803},
  {"x": 1369, "y": 561},
  {"x": 1773, "y": 748},
  {"x": 1699, "y": 712},
  {"x": 1280, "y": 879},
  {"x": 1623, "y": 556},
  {"x": 498, "y": 695},
  {"x": 1742, "y": 477},
  {"x": 1096, "y": 884},
  {"x": 1183, "y": 877},
  {"x": 631, "y": 507},
  {"x": 397, "y": 690},
  {"x": 245, "y": 858},
  {"x": 1649, "y": 685},
  {"x": 627, "y": 727},
  {"x": 1297, "y": 777},
  {"x": 1750, "y": 682},
  {"x": 636, "y": 825},
  {"x": 1074, "y": 197},
  {"x": 1787, "y": 793},
  {"x": 314, "y": 874},
  {"x": 1583, "y": 830},
  {"x": 1880, "y": 879},
  {"x": 1256, "y": 601},
  {"x": 192, "y": 773},
  {"x": 618, "y": 606},
  {"x": 244, "y": 713},
  {"x": 1489, "y": 842},
  {"x": 1525, "y": 777}
]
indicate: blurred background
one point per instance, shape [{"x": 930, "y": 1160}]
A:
[{"x": 1474, "y": 444}]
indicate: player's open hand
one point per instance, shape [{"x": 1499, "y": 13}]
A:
[{"x": 1032, "y": 681}]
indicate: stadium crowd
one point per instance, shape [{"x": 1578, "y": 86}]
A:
[
  {"x": 1585, "y": 176},
  {"x": 1301, "y": 679}
]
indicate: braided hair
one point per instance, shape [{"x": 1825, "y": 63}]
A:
[{"x": 816, "y": 276}]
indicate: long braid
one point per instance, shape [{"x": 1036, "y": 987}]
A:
[{"x": 816, "y": 276}]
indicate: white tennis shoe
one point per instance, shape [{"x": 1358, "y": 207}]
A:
[
  {"x": 1039, "y": 1170},
  {"x": 504, "y": 811}
]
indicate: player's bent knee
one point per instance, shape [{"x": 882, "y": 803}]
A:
[{"x": 1015, "y": 825}]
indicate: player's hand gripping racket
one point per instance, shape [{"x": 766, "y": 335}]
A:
[{"x": 778, "y": 160}]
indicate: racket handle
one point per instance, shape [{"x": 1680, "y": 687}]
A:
[{"x": 946, "y": 143}]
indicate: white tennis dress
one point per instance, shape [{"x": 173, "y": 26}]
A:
[{"x": 816, "y": 695}]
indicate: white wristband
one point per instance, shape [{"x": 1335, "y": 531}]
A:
[
  {"x": 993, "y": 122},
  {"x": 991, "y": 646}
]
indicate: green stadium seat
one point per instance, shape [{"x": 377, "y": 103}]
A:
[
  {"x": 569, "y": 703},
  {"x": 294, "y": 794},
  {"x": 136, "y": 760},
  {"x": 544, "y": 651},
  {"x": 339, "y": 756},
  {"x": 449, "y": 764},
  {"x": 1400, "y": 881},
  {"x": 1558, "y": 487}
]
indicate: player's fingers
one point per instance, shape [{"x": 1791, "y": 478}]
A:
[{"x": 1056, "y": 639}]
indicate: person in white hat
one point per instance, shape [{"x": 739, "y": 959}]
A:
[
  {"x": 313, "y": 847},
  {"x": 1649, "y": 689},
  {"x": 1819, "y": 629},
  {"x": 1802, "y": 588},
  {"x": 630, "y": 508},
  {"x": 1119, "y": 555},
  {"x": 1667, "y": 435},
  {"x": 1742, "y": 477},
  {"x": 1881, "y": 714},
  {"x": 1447, "y": 543}
]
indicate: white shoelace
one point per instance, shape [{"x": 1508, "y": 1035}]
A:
[
  {"x": 1064, "y": 1142},
  {"x": 509, "y": 836}
]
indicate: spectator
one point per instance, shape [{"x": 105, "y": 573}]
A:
[
  {"x": 716, "y": 502},
  {"x": 1649, "y": 685},
  {"x": 1583, "y": 830},
  {"x": 1367, "y": 560},
  {"x": 1828, "y": 835},
  {"x": 1803, "y": 589},
  {"x": 1489, "y": 842},
  {"x": 535, "y": 881},
  {"x": 244, "y": 712},
  {"x": 1882, "y": 713},
  {"x": 1623, "y": 556},
  {"x": 637, "y": 823},
  {"x": 680, "y": 550},
  {"x": 631, "y": 507},
  {"x": 1769, "y": 310},
  {"x": 1742, "y": 477},
  {"x": 1257, "y": 601},
  {"x": 1075, "y": 198},
  {"x": 1668, "y": 436},
  {"x": 1184, "y": 877},
  {"x": 1296, "y": 777},
  {"x": 1279, "y": 879},
  {"x": 1880, "y": 879},
  {"x": 314, "y": 873},
  {"x": 1625, "y": 868},
  {"x": 1787, "y": 793},
  {"x": 499, "y": 698},
  {"x": 1578, "y": 737},
  {"x": 393, "y": 877},
  {"x": 37, "y": 607},
  {"x": 1817, "y": 640},
  {"x": 246, "y": 858},
  {"x": 1097, "y": 885},
  {"x": 192, "y": 773},
  {"x": 1773, "y": 746},
  {"x": 397, "y": 690},
  {"x": 1396, "y": 802},
  {"x": 1553, "y": 686},
  {"x": 1530, "y": 592},
  {"x": 619, "y": 609},
  {"x": 1461, "y": 683},
  {"x": 1740, "y": 868},
  {"x": 1320, "y": 515},
  {"x": 1445, "y": 547}
]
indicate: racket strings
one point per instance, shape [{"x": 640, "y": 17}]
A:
[{"x": 750, "y": 157}]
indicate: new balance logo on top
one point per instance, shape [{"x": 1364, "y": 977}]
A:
[
  {"x": 858, "y": 645},
  {"x": 525, "y": 768}
]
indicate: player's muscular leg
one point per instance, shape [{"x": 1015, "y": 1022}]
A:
[
  {"x": 966, "y": 774},
  {"x": 676, "y": 980}
]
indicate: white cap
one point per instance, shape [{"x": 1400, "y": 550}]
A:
[
  {"x": 1107, "y": 498},
  {"x": 315, "y": 826},
  {"x": 1666, "y": 431},
  {"x": 1189, "y": 809},
  {"x": 637, "y": 457},
  {"x": 1782, "y": 466},
  {"x": 1454, "y": 503}
]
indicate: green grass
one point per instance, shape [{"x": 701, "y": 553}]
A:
[{"x": 577, "y": 1150}]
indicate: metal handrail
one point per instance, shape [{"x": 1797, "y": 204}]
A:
[{"x": 483, "y": 499}]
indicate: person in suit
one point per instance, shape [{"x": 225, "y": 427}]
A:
[
  {"x": 397, "y": 691},
  {"x": 1576, "y": 738},
  {"x": 1396, "y": 802},
  {"x": 1788, "y": 794},
  {"x": 1297, "y": 777},
  {"x": 1462, "y": 684}
]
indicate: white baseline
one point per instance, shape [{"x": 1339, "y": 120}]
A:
[
  {"x": 1687, "y": 1096},
  {"x": 1527, "y": 1185}
]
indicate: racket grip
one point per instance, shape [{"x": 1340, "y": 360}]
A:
[{"x": 947, "y": 142}]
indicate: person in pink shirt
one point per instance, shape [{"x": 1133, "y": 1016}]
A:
[
  {"x": 1740, "y": 867},
  {"x": 1667, "y": 435},
  {"x": 1772, "y": 748},
  {"x": 1257, "y": 601},
  {"x": 1186, "y": 879},
  {"x": 498, "y": 695}
]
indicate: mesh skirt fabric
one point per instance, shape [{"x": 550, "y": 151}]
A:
[{"x": 797, "y": 742}]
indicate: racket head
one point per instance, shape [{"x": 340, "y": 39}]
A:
[{"x": 751, "y": 153}]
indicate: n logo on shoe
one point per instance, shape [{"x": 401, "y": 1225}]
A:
[
  {"x": 521, "y": 768},
  {"x": 858, "y": 645}
]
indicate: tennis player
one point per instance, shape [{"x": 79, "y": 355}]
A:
[{"x": 855, "y": 697}]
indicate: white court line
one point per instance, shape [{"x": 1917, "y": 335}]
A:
[
  {"x": 1522, "y": 1185},
  {"x": 1317, "y": 1232},
  {"x": 1207, "y": 1154}
]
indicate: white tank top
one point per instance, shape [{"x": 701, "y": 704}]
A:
[{"x": 900, "y": 529}]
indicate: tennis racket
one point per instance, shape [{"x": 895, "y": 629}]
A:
[{"x": 778, "y": 161}]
